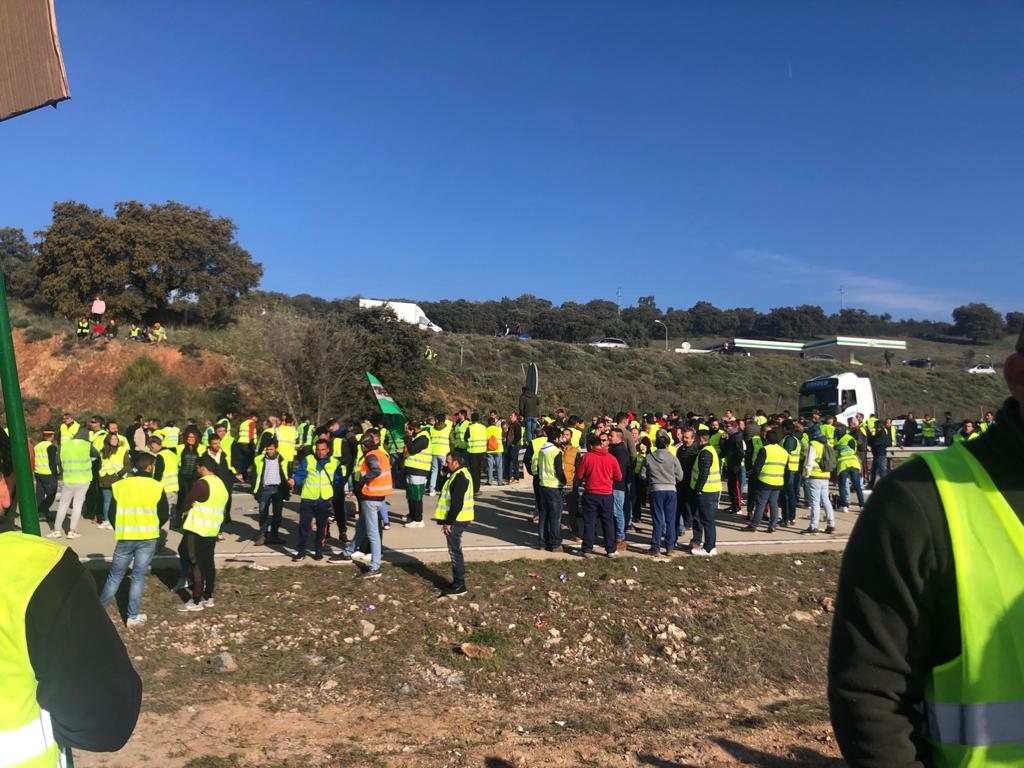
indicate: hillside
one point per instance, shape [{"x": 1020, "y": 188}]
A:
[
  {"x": 586, "y": 380},
  {"x": 200, "y": 371}
]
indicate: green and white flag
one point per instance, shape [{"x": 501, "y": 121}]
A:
[{"x": 385, "y": 401}]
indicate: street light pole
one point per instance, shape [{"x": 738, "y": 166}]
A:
[{"x": 658, "y": 322}]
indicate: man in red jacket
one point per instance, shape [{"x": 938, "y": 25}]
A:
[{"x": 597, "y": 471}]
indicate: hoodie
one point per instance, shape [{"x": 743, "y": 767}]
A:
[
  {"x": 661, "y": 470},
  {"x": 597, "y": 471}
]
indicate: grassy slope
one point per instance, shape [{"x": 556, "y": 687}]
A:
[{"x": 586, "y": 380}]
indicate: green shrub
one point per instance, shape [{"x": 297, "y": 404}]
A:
[
  {"x": 21, "y": 322},
  {"x": 145, "y": 387},
  {"x": 37, "y": 334}
]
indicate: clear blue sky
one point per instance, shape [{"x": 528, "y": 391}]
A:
[{"x": 746, "y": 153}]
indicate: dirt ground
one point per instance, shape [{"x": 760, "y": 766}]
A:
[{"x": 595, "y": 662}]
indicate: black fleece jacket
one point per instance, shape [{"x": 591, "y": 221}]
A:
[{"x": 896, "y": 613}]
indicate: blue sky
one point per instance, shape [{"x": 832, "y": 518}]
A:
[{"x": 746, "y": 153}]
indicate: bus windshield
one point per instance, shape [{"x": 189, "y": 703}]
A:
[{"x": 821, "y": 396}]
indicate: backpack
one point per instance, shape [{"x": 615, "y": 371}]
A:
[
  {"x": 492, "y": 443},
  {"x": 829, "y": 463}
]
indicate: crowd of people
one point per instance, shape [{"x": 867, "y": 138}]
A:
[
  {"x": 591, "y": 478},
  {"x": 99, "y": 326}
]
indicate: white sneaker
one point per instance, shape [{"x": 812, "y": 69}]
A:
[
  {"x": 106, "y": 526},
  {"x": 207, "y": 602},
  {"x": 844, "y": 509},
  {"x": 188, "y": 606},
  {"x": 431, "y": 493},
  {"x": 360, "y": 556},
  {"x": 700, "y": 552},
  {"x": 54, "y": 535},
  {"x": 73, "y": 535},
  {"x": 135, "y": 621},
  {"x": 713, "y": 552},
  {"x": 414, "y": 524}
]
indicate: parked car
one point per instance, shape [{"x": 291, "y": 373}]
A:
[
  {"x": 821, "y": 356},
  {"x": 609, "y": 343},
  {"x": 919, "y": 363},
  {"x": 982, "y": 368}
]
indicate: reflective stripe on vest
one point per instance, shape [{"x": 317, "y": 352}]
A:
[
  {"x": 170, "y": 476},
  {"x": 847, "y": 457},
  {"x": 114, "y": 464},
  {"x": 422, "y": 459},
  {"x": 495, "y": 432},
  {"x": 319, "y": 483},
  {"x": 26, "y": 733},
  {"x": 205, "y": 518},
  {"x": 817, "y": 472},
  {"x": 444, "y": 501},
  {"x": 975, "y": 702},
  {"x": 774, "y": 467},
  {"x": 439, "y": 440},
  {"x": 714, "y": 481},
  {"x": 380, "y": 485},
  {"x": 42, "y": 454},
  {"x": 793, "y": 461},
  {"x": 76, "y": 461},
  {"x": 243, "y": 432},
  {"x": 286, "y": 439},
  {"x": 546, "y": 466},
  {"x": 137, "y": 499}
]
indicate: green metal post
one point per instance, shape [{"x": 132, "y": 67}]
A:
[{"x": 16, "y": 420}]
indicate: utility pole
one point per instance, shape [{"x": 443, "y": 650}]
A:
[
  {"x": 842, "y": 296},
  {"x": 658, "y": 322},
  {"x": 618, "y": 299}
]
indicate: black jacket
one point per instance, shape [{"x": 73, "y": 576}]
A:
[
  {"x": 86, "y": 680},
  {"x": 896, "y": 613}
]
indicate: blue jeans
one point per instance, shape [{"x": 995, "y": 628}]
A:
[
  {"x": 666, "y": 519},
  {"x": 455, "y": 553},
  {"x": 597, "y": 511},
  {"x": 767, "y": 495},
  {"x": 368, "y": 529},
  {"x": 531, "y": 427},
  {"x": 494, "y": 462},
  {"x": 512, "y": 462},
  {"x": 619, "y": 499},
  {"x": 142, "y": 553},
  {"x": 879, "y": 468},
  {"x": 550, "y": 525},
  {"x": 436, "y": 462},
  {"x": 108, "y": 496},
  {"x": 817, "y": 490},
  {"x": 707, "y": 505},
  {"x": 790, "y": 493},
  {"x": 846, "y": 477},
  {"x": 629, "y": 502},
  {"x": 320, "y": 511}
]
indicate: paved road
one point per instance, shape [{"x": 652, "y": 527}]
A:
[{"x": 502, "y": 531}]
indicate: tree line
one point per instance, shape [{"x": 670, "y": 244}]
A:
[{"x": 576, "y": 322}]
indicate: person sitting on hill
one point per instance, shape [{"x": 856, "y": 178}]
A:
[
  {"x": 157, "y": 333},
  {"x": 111, "y": 332},
  {"x": 82, "y": 329},
  {"x": 135, "y": 333}
]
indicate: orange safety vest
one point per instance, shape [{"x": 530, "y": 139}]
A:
[{"x": 381, "y": 484}]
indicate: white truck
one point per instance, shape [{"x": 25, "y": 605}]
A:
[
  {"x": 405, "y": 311},
  {"x": 842, "y": 395}
]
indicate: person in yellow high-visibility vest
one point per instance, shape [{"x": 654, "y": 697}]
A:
[
  {"x": 139, "y": 508},
  {"x": 204, "y": 517},
  {"x": 46, "y": 466},
  {"x": 440, "y": 445},
  {"x": 476, "y": 447},
  {"x": 68, "y": 681},
  {"x": 925, "y": 658},
  {"x": 770, "y": 469},
  {"x": 418, "y": 458},
  {"x": 454, "y": 513},
  {"x": 495, "y": 453}
]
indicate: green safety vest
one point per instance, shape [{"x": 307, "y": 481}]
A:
[
  {"x": 793, "y": 462},
  {"x": 545, "y": 463},
  {"x": 114, "y": 463},
  {"x": 577, "y": 435},
  {"x": 774, "y": 467},
  {"x": 714, "y": 481},
  {"x": 171, "y": 436},
  {"x": 170, "y": 475},
  {"x": 959, "y": 436},
  {"x": 76, "y": 461},
  {"x": 421, "y": 460},
  {"x": 319, "y": 483},
  {"x": 68, "y": 431},
  {"x": 96, "y": 438},
  {"x": 758, "y": 443},
  {"x": 495, "y": 431},
  {"x": 42, "y": 454},
  {"x": 205, "y": 518},
  {"x": 137, "y": 499},
  {"x": 476, "y": 438},
  {"x": 243, "y": 432},
  {"x": 829, "y": 430},
  {"x": 460, "y": 431},
  {"x": 817, "y": 472},
  {"x": 846, "y": 454},
  {"x": 975, "y": 702},
  {"x": 259, "y": 462},
  {"x": 26, "y": 732},
  {"x": 928, "y": 430},
  {"x": 439, "y": 440},
  {"x": 287, "y": 437},
  {"x": 444, "y": 502}
]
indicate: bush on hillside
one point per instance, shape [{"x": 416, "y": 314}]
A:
[
  {"x": 145, "y": 387},
  {"x": 37, "y": 334}
]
